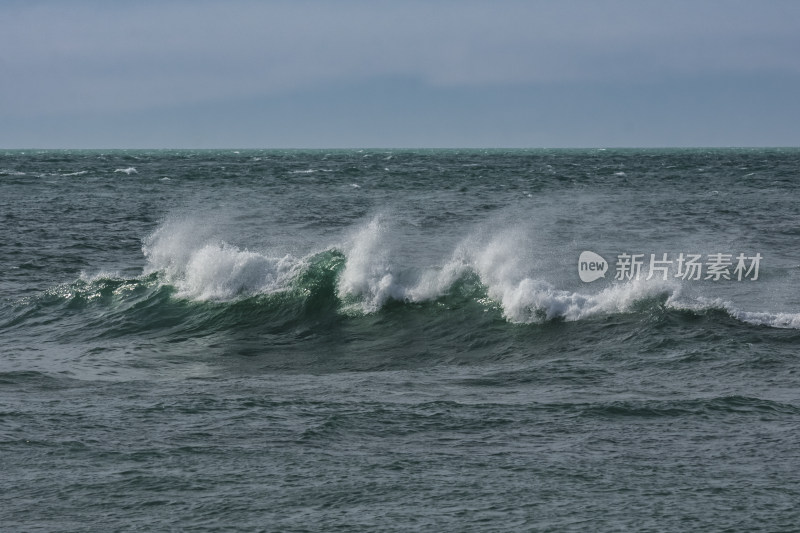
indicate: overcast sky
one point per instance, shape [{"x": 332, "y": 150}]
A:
[{"x": 264, "y": 74}]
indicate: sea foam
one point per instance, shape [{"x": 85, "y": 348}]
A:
[
  {"x": 203, "y": 267},
  {"x": 757, "y": 318},
  {"x": 367, "y": 274},
  {"x": 128, "y": 171}
]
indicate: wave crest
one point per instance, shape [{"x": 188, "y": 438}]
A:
[
  {"x": 210, "y": 269},
  {"x": 362, "y": 276},
  {"x": 367, "y": 273}
]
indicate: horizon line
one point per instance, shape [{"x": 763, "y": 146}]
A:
[{"x": 412, "y": 148}]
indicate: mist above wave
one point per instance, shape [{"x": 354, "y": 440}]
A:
[{"x": 204, "y": 267}]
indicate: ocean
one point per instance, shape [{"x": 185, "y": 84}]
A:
[{"x": 400, "y": 340}]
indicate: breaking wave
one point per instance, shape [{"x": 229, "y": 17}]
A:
[
  {"x": 187, "y": 266},
  {"x": 366, "y": 277}
]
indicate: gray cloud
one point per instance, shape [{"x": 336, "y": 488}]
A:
[{"x": 86, "y": 57}]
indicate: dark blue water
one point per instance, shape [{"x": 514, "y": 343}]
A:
[{"x": 399, "y": 340}]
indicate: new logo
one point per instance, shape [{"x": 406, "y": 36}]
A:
[{"x": 591, "y": 266}]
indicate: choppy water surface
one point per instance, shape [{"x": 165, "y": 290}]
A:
[{"x": 395, "y": 340}]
